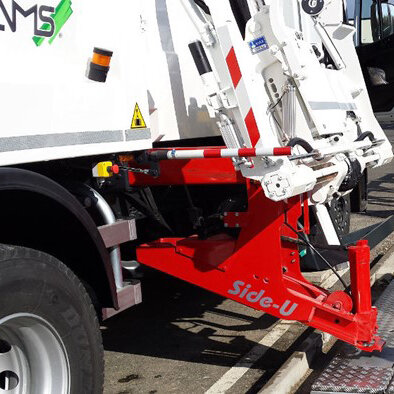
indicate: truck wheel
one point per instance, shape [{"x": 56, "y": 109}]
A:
[{"x": 50, "y": 340}]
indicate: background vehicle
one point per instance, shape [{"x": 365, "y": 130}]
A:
[{"x": 374, "y": 22}]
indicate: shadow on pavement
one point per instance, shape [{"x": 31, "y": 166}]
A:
[
  {"x": 381, "y": 196},
  {"x": 170, "y": 324}
]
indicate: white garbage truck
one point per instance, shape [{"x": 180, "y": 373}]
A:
[{"x": 205, "y": 139}]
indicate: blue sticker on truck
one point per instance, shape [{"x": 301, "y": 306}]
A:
[{"x": 258, "y": 45}]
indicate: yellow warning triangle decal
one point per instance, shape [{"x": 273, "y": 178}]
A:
[{"x": 138, "y": 121}]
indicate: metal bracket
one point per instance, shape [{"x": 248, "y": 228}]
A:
[
  {"x": 118, "y": 233},
  {"x": 128, "y": 296}
]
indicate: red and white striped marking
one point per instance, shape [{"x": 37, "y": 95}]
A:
[
  {"x": 240, "y": 89},
  {"x": 217, "y": 153}
]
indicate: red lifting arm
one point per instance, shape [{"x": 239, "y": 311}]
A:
[{"x": 261, "y": 269}]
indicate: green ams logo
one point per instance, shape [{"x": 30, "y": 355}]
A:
[{"x": 48, "y": 21}]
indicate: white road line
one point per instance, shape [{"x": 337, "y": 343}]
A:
[{"x": 246, "y": 362}]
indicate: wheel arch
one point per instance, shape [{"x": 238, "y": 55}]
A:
[{"x": 27, "y": 203}]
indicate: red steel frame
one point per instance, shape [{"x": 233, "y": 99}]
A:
[
  {"x": 189, "y": 172},
  {"x": 261, "y": 269}
]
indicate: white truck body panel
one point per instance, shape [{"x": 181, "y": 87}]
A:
[
  {"x": 49, "y": 109},
  {"x": 177, "y": 101}
]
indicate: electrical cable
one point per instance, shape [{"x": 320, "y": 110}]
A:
[
  {"x": 321, "y": 257},
  {"x": 324, "y": 247},
  {"x": 364, "y": 135},
  {"x": 277, "y": 122},
  {"x": 271, "y": 107},
  {"x": 271, "y": 111}
]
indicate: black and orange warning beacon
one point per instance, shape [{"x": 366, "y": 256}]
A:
[{"x": 99, "y": 65}]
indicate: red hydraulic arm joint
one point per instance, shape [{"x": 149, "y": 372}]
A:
[{"x": 260, "y": 267}]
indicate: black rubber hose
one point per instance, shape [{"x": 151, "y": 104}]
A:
[
  {"x": 203, "y": 6},
  {"x": 301, "y": 142},
  {"x": 200, "y": 57},
  {"x": 158, "y": 155},
  {"x": 364, "y": 135}
]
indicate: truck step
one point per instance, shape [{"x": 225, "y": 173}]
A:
[{"x": 353, "y": 371}]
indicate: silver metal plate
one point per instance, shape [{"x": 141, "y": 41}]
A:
[
  {"x": 58, "y": 140},
  {"x": 128, "y": 296},
  {"x": 118, "y": 233},
  {"x": 353, "y": 371},
  {"x": 343, "y": 377}
]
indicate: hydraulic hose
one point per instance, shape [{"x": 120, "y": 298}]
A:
[
  {"x": 301, "y": 142},
  {"x": 200, "y": 57},
  {"x": 203, "y": 6},
  {"x": 364, "y": 135}
]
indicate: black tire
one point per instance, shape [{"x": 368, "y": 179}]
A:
[{"x": 32, "y": 282}]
